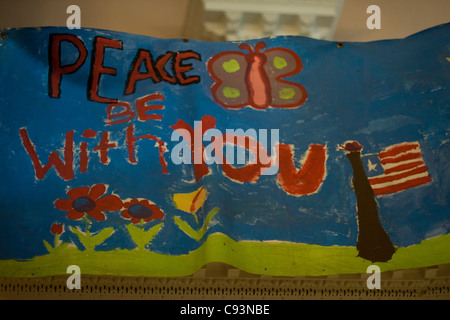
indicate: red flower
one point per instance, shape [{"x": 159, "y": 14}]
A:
[
  {"x": 57, "y": 229},
  {"x": 138, "y": 210},
  {"x": 87, "y": 200}
]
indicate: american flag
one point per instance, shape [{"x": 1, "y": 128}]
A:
[{"x": 396, "y": 168}]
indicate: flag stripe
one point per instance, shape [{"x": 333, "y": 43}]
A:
[
  {"x": 394, "y": 165},
  {"x": 402, "y": 167},
  {"x": 408, "y": 156},
  {"x": 402, "y": 186},
  {"x": 393, "y": 177},
  {"x": 395, "y": 150}
]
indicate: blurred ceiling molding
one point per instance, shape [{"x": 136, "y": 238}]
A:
[{"x": 232, "y": 20}]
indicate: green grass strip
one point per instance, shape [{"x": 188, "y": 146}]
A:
[{"x": 269, "y": 258}]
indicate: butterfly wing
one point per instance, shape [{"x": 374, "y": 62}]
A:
[
  {"x": 228, "y": 69},
  {"x": 281, "y": 63}
]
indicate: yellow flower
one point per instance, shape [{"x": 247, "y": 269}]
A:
[{"x": 190, "y": 202}]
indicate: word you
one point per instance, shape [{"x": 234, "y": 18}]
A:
[
  {"x": 213, "y": 153},
  {"x": 294, "y": 181}
]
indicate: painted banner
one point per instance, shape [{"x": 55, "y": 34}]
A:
[{"x": 131, "y": 155}]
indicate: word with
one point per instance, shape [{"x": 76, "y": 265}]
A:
[
  {"x": 374, "y": 280},
  {"x": 155, "y": 69},
  {"x": 65, "y": 167},
  {"x": 374, "y": 21},
  {"x": 297, "y": 182},
  {"x": 74, "y": 21},
  {"x": 74, "y": 281},
  {"x": 212, "y": 153}
]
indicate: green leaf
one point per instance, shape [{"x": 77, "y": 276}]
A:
[
  {"x": 197, "y": 235},
  {"x": 151, "y": 233},
  {"x": 141, "y": 237},
  {"x": 136, "y": 234},
  {"x": 90, "y": 242},
  {"x": 60, "y": 248},
  {"x": 102, "y": 236},
  {"x": 77, "y": 232},
  {"x": 48, "y": 246}
]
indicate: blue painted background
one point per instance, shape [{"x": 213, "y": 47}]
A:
[{"x": 378, "y": 93}]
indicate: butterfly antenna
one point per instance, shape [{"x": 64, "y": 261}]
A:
[
  {"x": 245, "y": 46},
  {"x": 259, "y": 46}
]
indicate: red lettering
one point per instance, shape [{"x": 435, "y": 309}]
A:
[
  {"x": 84, "y": 157},
  {"x": 180, "y": 68},
  {"x": 97, "y": 68},
  {"x": 142, "y": 57},
  {"x": 207, "y": 122},
  {"x": 309, "y": 178},
  {"x": 63, "y": 168},
  {"x": 89, "y": 133},
  {"x": 56, "y": 70},
  {"x": 104, "y": 146},
  {"x": 293, "y": 181},
  {"x": 84, "y": 153},
  {"x": 131, "y": 141},
  {"x": 121, "y": 116},
  {"x": 142, "y": 107},
  {"x": 250, "y": 172},
  {"x": 161, "y": 63}
]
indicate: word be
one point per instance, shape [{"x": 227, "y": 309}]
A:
[
  {"x": 74, "y": 21},
  {"x": 121, "y": 112},
  {"x": 74, "y": 281},
  {"x": 374, "y": 280},
  {"x": 374, "y": 21},
  {"x": 154, "y": 69}
]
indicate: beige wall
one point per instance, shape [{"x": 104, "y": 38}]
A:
[
  {"x": 158, "y": 18},
  {"x": 165, "y": 18}
]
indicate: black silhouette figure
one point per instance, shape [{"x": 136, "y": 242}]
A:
[{"x": 373, "y": 243}]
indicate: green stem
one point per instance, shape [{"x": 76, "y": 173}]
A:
[
  {"x": 141, "y": 227},
  {"x": 195, "y": 216},
  {"x": 88, "y": 224},
  {"x": 56, "y": 240},
  {"x": 196, "y": 234}
]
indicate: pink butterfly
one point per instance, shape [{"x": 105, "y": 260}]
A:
[{"x": 255, "y": 78}]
